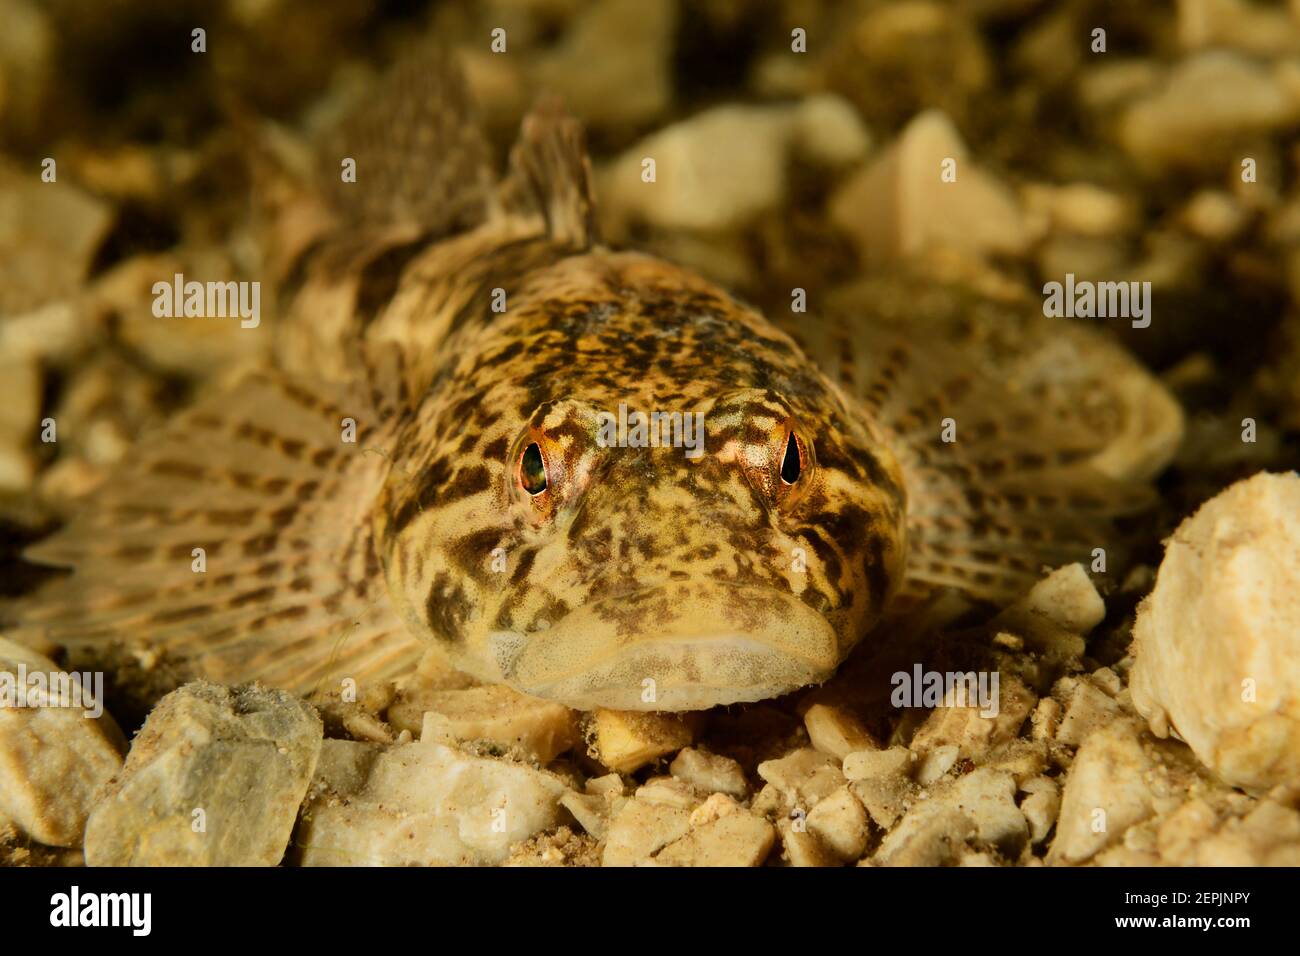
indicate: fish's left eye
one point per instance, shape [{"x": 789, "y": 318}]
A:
[
  {"x": 790, "y": 464},
  {"x": 532, "y": 470}
]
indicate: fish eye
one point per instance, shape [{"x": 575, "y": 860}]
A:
[
  {"x": 790, "y": 464},
  {"x": 532, "y": 470}
]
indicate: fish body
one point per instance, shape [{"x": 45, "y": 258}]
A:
[{"x": 482, "y": 350}]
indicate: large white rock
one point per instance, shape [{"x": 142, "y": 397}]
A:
[
  {"x": 214, "y": 778},
  {"x": 1217, "y": 643},
  {"x": 53, "y": 759},
  {"x": 421, "y": 804}
]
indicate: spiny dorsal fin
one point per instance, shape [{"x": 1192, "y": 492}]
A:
[
  {"x": 288, "y": 213},
  {"x": 550, "y": 176},
  {"x": 265, "y": 481},
  {"x": 421, "y": 157}
]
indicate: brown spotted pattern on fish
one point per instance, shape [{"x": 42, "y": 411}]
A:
[
  {"x": 479, "y": 511},
  {"x": 638, "y": 563}
]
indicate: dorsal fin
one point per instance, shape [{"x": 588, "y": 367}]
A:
[
  {"x": 421, "y": 157},
  {"x": 550, "y": 176}
]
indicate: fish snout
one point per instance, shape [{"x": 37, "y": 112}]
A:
[{"x": 678, "y": 646}]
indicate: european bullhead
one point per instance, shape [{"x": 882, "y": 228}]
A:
[{"x": 586, "y": 473}]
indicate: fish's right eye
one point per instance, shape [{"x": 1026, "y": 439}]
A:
[
  {"x": 532, "y": 470},
  {"x": 791, "y": 464}
]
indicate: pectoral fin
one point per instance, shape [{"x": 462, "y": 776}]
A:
[{"x": 237, "y": 540}]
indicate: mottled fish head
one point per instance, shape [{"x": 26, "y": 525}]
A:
[{"x": 634, "y": 492}]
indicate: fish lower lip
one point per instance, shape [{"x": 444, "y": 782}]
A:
[{"x": 691, "y": 661}]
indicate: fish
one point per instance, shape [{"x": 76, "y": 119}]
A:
[{"x": 423, "y": 466}]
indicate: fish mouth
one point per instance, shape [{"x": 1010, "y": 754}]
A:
[{"x": 694, "y": 647}]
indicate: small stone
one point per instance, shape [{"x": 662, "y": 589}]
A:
[
  {"x": 1040, "y": 806},
  {"x": 560, "y": 847},
  {"x": 936, "y": 763},
  {"x": 1208, "y": 106},
  {"x": 1217, "y": 643},
  {"x": 1214, "y": 215},
  {"x": 1089, "y": 258},
  {"x": 881, "y": 781},
  {"x": 538, "y": 729},
  {"x": 1081, "y": 208},
  {"x": 1046, "y": 718},
  {"x": 836, "y": 732},
  {"x": 979, "y": 806},
  {"x": 1267, "y": 836},
  {"x": 803, "y": 848},
  {"x": 1010, "y": 642},
  {"x": 421, "y": 804},
  {"x": 1106, "y": 792},
  {"x": 769, "y": 802},
  {"x": 414, "y": 693},
  {"x": 899, "y": 208},
  {"x": 625, "y": 740},
  {"x": 929, "y": 839},
  {"x": 840, "y": 821},
  {"x": 1213, "y": 825},
  {"x": 590, "y": 810},
  {"x": 1023, "y": 759},
  {"x": 54, "y": 760},
  {"x": 718, "y": 805},
  {"x": 1108, "y": 87},
  {"x": 710, "y": 773},
  {"x": 1247, "y": 26},
  {"x": 669, "y": 791},
  {"x": 827, "y": 131},
  {"x": 721, "y": 169},
  {"x": 54, "y": 332},
  {"x": 610, "y": 784},
  {"x": 640, "y": 830},
  {"x": 362, "y": 725},
  {"x": 1055, "y": 615},
  {"x": 1108, "y": 681},
  {"x": 1182, "y": 832},
  {"x": 737, "y": 839},
  {"x": 214, "y": 778},
  {"x": 987, "y": 796},
  {"x": 968, "y": 730},
  {"x": 29, "y": 66},
  {"x": 1087, "y": 709},
  {"x": 48, "y": 237},
  {"x": 1068, "y": 598},
  {"x": 896, "y": 762},
  {"x": 804, "y": 776}
]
